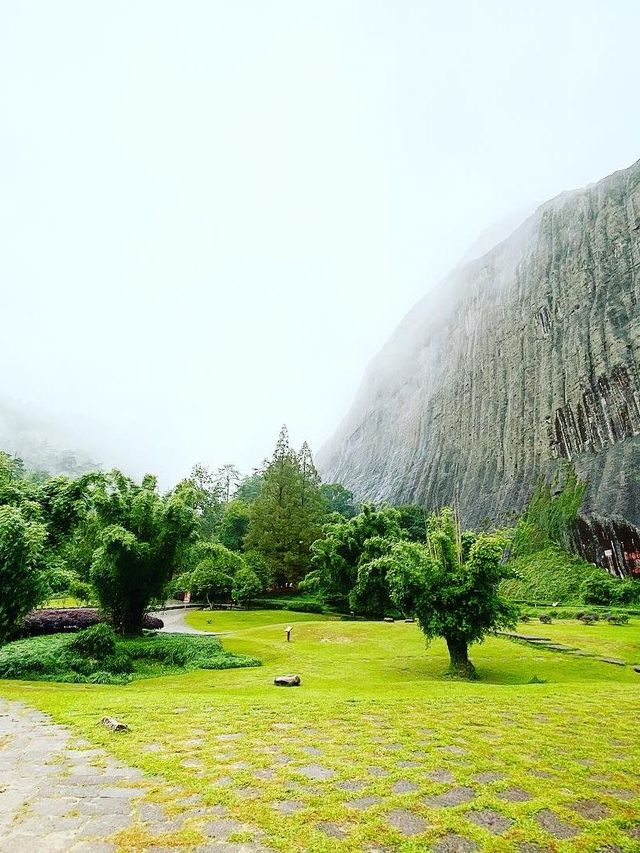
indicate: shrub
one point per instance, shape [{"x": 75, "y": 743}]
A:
[
  {"x": 545, "y": 618},
  {"x": 59, "y": 621},
  {"x": 246, "y": 585},
  {"x": 97, "y": 642},
  {"x": 617, "y": 619}
]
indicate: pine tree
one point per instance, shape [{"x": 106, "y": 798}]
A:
[{"x": 287, "y": 515}]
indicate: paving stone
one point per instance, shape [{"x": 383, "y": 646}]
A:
[
  {"x": 619, "y": 793},
  {"x": 554, "y": 825},
  {"x": 408, "y": 764},
  {"x": 452, "y": 797},
  {"x": 453, "y": 750},
  {"x": 312, "y": 750},
  {"x": 530, "y": 847},
  {"x": 514, "y": 795},
  {"x": 489, "y": 819},
  {"x": 377, "y": 771},
  {"x": 100, "y": 827},
  {"x": 441, "y": 775},
  {"x": 406, "y": 822},
  {"x": 332, "y": 830},
  {"x": 264, "y": 774},
  {"x": 591, "y": 809},
  {"x": 454, "y": 844},
  {"x": 404, "y": 786},
  {"x": 364, "y": 802},
  {"x": 488, "y": 776},
  {"x": 316, "y": 771},
  {"x": 288, "y": 806},
  {"x": 224, "y": 827},
  {"x": 351, "y": 785}
]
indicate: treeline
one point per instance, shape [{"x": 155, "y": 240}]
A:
[{"x": 103, "y": 537}]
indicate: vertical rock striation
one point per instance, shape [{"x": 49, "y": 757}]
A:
[{"x": 531, "y": 356}]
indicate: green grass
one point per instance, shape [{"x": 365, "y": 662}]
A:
[
  {"x": 600, "y": 638},
  {"x": 548, "y": 575},
  {"x": 372, "y": 695},
  {"x": 234, "y": 620}
]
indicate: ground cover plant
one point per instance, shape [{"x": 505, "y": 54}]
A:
[
  {"x": 374, "y": 750},
  {"x": 97, "y": 656}
]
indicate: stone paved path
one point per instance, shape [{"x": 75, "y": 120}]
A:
[
  {"x": 52, "y": 795},
  {"x": 59, "y": 794}
]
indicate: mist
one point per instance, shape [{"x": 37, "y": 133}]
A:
[{"x": 213, "y": 215}]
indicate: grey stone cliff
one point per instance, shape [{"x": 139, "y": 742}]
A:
[{"x": 524, "y": 357}]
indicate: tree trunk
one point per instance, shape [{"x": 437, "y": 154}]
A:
[{"x": 459, "y": 665}]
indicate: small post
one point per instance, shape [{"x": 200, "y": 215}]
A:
[{"x": 287, "y": 631}]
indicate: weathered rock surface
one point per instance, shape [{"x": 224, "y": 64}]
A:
[{"x": 524, "y": 357}]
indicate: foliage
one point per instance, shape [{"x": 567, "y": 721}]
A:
[
  {"x": 203, "y": 492},
  {"x": 210, "y": 582},
  {"x": 370, "y": 596},
  {"x": 234, "y": 524},
  {"x": 549, "y": 575},
  {"x": 97, "y": 642},
  {"x": 337, "y": 555},
  {"x": 139, "y": 543},
  {"x": 338, "y": 499},
  {"x": 287, "y": 515},
  {"x": 246, "y": 585},
  {"x": 58, "y": 620},
  {"x": 69, "y": 659},
  {"x": 22, "y": 579},
  {"x": 602, "y": 588},
  {"x": 249, "y": 488},
  {"x": 452, "y": 598},
  {"x": 413, "y": 521},
  {"x": 550, "y": 517}
]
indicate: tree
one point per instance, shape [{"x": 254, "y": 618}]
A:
[
  {"x": 227, "y": 478},
  {"x": 246, "y": 585},
  {"x": 370, "y": 596},
  {"x": 337, "y": 555},
  {"x": 210, "y": 582},
  {"x": 338, "y": 499},
  {"x": 203, "y": 492},
  {"x": 287, "y": 515},
  {"x": 250, "y": 487},
  {"x": 22, "y": 576},
  {"x": 452, "y": 597},
  {"x": 141, "y": 534},
  {"x": 234, "y": 525}
]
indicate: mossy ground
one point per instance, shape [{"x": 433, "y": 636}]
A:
[{"x": 374, "y": 709}]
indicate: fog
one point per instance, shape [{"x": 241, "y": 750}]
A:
[{"x": 213, "y": 214}]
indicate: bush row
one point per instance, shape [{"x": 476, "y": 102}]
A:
[{"x": 56, "y": 621}]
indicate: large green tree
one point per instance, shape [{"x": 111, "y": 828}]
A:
[
  {"x": 22, "y": 575},
  {"x": 141, "y": 535},
  {"x": 451, "y": 585},
  {"x": 287, "y": 515},
  {"x": 338, "y": 554}
]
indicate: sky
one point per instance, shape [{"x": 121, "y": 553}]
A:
[{"x": 213, "y": 214}]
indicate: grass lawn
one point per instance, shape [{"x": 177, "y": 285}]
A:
[
  {"x": 375, "y": 751},
  {"x": 600, "y": 638}
]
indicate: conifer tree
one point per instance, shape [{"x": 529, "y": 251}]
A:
[{"x": 287, "y": 515}]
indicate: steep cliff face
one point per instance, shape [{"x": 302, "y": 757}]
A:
[{"x": 523, "y": 357}]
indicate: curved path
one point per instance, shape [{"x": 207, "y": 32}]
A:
[{"x": 174, "y": 623}]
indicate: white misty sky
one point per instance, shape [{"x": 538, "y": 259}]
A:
[{"x": 213, "y": 214}]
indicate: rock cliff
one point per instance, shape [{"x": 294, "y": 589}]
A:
[{"x": 521, "y": 358}]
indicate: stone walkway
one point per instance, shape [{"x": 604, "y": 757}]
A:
[
  {"x": 174, "y": 623},
  {"x": 59, "y": 794}
]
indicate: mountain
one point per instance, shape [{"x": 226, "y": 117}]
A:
[
  {"x": 39, "y": 444},
  {"x": 520, "y": 359}
]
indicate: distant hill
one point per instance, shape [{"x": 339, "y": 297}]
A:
[{"x": 41, "y": 446}]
